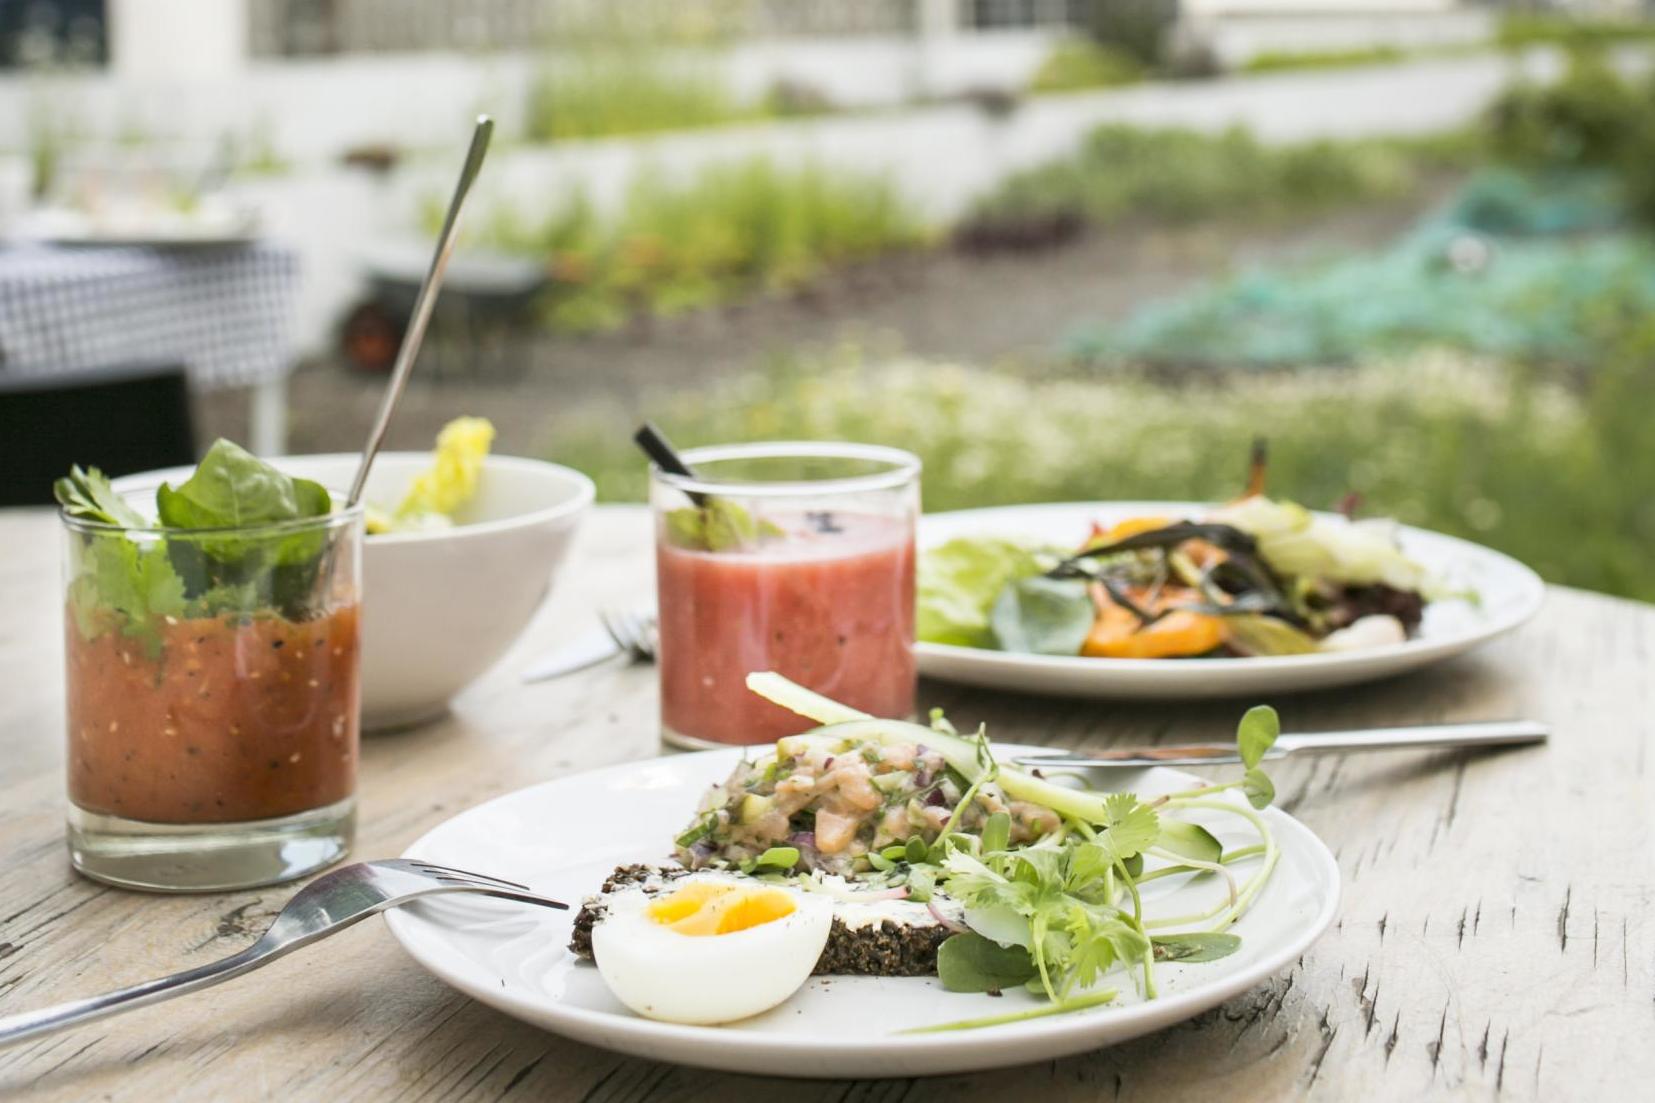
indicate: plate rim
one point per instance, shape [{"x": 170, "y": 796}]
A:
[
  {"x": 745, "y": 1050},
  {"x": 1534, "y": 588}
]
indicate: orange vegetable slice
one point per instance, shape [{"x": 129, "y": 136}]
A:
[{"x": 1118, "y": 634}]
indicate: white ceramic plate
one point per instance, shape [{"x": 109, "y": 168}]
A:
[
  {"x": 1509, "y": 594},
  {"x": 564, "y": 837}
]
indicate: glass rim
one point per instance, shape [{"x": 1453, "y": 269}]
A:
[
  {"x": 904, "y": 469},
  {"x": 337, "y": 517}
]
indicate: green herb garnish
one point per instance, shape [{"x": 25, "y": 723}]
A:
[
  {"x": 1057, "y": 914},
  {"x": 777, "y": 858},
  {"x": 718, "y": 525},
  {"x": 86, "y": 494},
  {"x": 133, "y": 584},
  {"x": 1043, "y": 616},
  {"x": 1195, "y": 946},
  {"x": 968, "y": 962},
  {"x": 231, "y": 487},
  {"x": 698, "y": 831},
  {"x": 1076, "y": 1003}
]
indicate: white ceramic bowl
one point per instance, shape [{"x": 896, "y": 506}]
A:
[{"x": 439, "y": 608}]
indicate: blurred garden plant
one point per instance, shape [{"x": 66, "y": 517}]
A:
[
  {"x": 728, "y": 230},
  {"x": 1555, "y": 28},
  {"x": 1563, "y": 479},
  {"x": 599, "y": 91},
  {"x": 636, "y": 68},
  {"x": 1595, "y": 120},
  {"x": 1278, "y": 61},
  {"x": 1174, "y": 175},
  {"x": 1075, "y": 64}
]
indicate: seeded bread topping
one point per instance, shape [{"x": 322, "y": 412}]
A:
[{"x": 876, "y": 938}]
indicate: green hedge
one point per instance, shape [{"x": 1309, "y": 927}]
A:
[{"x": 1563, "y": 480}]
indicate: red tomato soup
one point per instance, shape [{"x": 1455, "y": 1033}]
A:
[
  {"x": 829, "y": 605},
  {"x": 230, "y": 719}
]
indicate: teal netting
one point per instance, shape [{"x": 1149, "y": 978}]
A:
[{"x": 1509, "y": 266}]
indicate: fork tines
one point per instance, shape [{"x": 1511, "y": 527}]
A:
[{"x": 461, "y": 876}]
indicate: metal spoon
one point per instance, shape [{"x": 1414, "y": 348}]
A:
[{"x": 423, "y": 305}]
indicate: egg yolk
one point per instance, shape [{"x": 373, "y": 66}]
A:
[{"x": 708, "y": 908}]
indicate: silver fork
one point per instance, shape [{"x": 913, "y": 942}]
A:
[
  {"x": 625, "y": 633},
  {"x": 634, "y": 632},
  {"x": 330, "y": 903}
]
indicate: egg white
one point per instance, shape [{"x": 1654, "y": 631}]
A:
[{"x": 704, "y": 979}]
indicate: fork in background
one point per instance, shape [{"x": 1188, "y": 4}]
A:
[
  {"x": 634, "y": 632},
  {"x": 629, "y": 633}
]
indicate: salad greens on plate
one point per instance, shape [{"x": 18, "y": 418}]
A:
[
  {"x": 1035, "y": 881},
  {"x": 1255, "y": 577}
]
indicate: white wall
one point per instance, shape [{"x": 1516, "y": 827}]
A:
[
  {"x": 176, "y": 41},
  {"x": 942, "y": 156},
  {"x": 316, "y": 107},
  {"x": 1235, "y": 41}
]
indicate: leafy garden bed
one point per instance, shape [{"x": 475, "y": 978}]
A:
[{"x": 1561, "y": 478}]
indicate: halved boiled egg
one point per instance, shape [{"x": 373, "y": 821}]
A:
[{"x": 712, "y": 950}]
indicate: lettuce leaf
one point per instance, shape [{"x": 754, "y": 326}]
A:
[
  {"x": 1297, "y": 542},
  {"x": 958, "y": 584},
  {"x": 456, "y": 468},
  {"x": 1043, "y": 616}
]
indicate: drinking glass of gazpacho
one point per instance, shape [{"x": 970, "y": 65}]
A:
[
  {"x": 212, "y": 678},
  {"x": 792, "y": 557}
]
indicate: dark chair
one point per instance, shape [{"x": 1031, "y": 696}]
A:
[{"x": 119, "y": 419}]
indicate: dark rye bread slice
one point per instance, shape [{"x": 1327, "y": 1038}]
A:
[{"x": 887, "y": 948}]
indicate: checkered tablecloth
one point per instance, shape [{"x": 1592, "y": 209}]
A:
[{"x": 224, "y": 312}]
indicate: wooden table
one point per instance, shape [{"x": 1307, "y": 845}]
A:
[{"x": 1494, "y": 937}]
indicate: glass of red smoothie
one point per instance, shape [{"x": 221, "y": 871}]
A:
[
  {"x": 212, "y": 700},
  {"x": 792, "y": 557}
]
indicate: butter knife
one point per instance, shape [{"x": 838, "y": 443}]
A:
[{"x": 1495, "y": 733}]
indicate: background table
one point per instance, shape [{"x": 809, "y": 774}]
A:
[
  {"x": 223, "y": 312},
  {"x": 1494, "y": 938}
]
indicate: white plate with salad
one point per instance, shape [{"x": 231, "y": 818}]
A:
[
  {"x": 1183, "y": 599},
  {"x": 915, "y": 869}
]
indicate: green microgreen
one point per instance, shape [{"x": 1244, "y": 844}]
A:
[
  {"x": 1057, "y": 914},
  {"x": 1256, "y": 734},
  {"x": 1195, "y": 946},
  {"x": 778, "y": 858},
  {"x": 1076, "y": 1003}
]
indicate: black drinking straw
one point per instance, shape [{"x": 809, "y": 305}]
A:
[{"x": 655, "y": 446}]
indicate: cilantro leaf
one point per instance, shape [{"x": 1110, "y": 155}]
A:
[
  {"x": 87, "y": 494},
  {"x": 121, "y": 584},
  {"x": 1078, "y": 1003},
  {"x": 1133, "y": 826},
  {"x": 1256, "y": 734}
]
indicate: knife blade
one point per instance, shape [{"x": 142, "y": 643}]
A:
[
  {"x": 588, "y": 649},
  {"x": 1495, "y": 733}
]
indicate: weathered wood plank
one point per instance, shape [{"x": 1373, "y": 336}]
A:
[{"x": 1492, "y": 939}]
